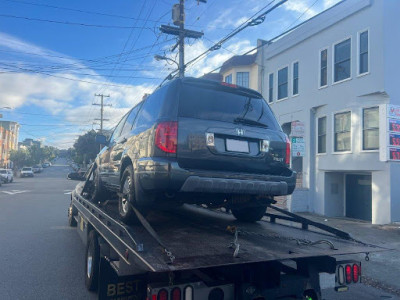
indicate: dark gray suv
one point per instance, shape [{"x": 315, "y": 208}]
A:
[{"x": 196, "y": 141}]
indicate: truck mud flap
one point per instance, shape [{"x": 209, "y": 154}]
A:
[{"x": 113, "y": 287}]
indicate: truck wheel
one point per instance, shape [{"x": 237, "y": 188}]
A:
[
  {"x": 249, "y": 214},
  {"x": 92, "y": 261},
  {"x": 99, "y": 193},
  {"x": 72, "y": 211}
]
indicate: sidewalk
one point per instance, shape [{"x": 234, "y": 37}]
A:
[{"x": 383, "y": 269}]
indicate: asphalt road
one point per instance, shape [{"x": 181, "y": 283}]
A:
[{"x": 41, "y": 257}]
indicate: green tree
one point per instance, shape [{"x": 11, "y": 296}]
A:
[
  {"x": 21, "y": 158},
  {"x": 86, "y": 148}
]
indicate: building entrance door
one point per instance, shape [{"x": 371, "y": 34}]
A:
[{"x": 359, "y": 197}]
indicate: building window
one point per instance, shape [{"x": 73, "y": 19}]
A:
[
  {"x": 242, "y": 79},
  {"x": 371, "y": 128},
  {"x": 363, "y": 55},
  {"x": 342, "y": 132},
  {"x": 283, "y": 83},
  {"x": 323, "y": 81},
  {"x": 296, "y": 78},
  {"x": 228, "y": 79},
  {"x": 342, "y": 63},
  {"x": 271, "y": 88},
  {"x": 322, "y": 135}
]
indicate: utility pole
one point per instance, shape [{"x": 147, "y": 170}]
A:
[
  {"x": 178, "y": 17},
  {"x": 101, "y": 109}
]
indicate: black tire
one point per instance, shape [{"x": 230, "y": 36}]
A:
[
  {"x": 99, "y": 193},
  {"x": 72, "y": 212},
  {"x": 250, "y": 214},
  {"x": 128, "y": 196},
  {"x": 92, "y": 262}
]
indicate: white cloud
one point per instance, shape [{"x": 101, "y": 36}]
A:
[
  {"x": 329, "y": 3},
  {"x": 301, "y": 6}
]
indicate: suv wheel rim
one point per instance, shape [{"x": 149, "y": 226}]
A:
[{"x": 125, "y": 197}]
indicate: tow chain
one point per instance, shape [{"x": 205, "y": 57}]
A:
[{"x": 300, "y": 242}]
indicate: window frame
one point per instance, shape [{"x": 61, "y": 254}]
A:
[
  {"x": 248, "y": 79},
  {"x": 277, "y": 84},
  {"x": 362, "y": 129},
  {"x": 319, "y": 68},
  {"x": 230, "y": 75},
  {"x": 359, "y": 54},
  {"x": 333, "y": 60},
  {"x": 326, "y": 135},
  {"x": 298, "y": 78},
  {"x": 351, "y": 131},
  {"x": 271, "y": 87}
]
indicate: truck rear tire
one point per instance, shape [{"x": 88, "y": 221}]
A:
[
  {"x": 249, "y": 214},
  {"x": 92, "y": 261}
]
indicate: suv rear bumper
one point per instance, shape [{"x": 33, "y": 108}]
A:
[{"x": 160, "y": 174}]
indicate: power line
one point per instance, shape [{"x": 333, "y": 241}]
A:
[
  {"x": 69, "y": 23},
  {"x": 101, "y": 109}
]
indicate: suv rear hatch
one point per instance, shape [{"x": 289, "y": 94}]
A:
[{"x": 223, "y": 128}]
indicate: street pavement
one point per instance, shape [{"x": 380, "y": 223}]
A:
[{"x": 41, "y": 257}]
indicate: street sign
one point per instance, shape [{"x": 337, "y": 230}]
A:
[
  {"x": 298, "y": 129},
  {"x": 298, "y": 147},
  {"x": 389, "y": 132}
]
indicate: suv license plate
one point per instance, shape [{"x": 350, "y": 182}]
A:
[{"x": 237, "y": 146}]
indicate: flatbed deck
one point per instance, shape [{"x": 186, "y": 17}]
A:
[{"x": 200, "y": 238}]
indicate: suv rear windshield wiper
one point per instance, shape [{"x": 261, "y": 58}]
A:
[{"x": 249, "y": 122}]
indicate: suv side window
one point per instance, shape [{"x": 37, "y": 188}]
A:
[
  {"x": 117, "y": 130},
  {"x": 151, "y": 109},
  {"x": 130, "y": 120}
]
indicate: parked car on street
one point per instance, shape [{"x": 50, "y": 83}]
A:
[
  {"x": 196, "y": 141},
  {"x": 37, "y": 169},
  {"x": 26, "y": 172},
  {"x": 6, "y": 175},
  {"x": 46, "y": 165}
]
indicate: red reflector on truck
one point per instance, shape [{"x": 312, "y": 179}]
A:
[
  {"x": 176, "y": 294},
  {"x": 356, "y": 273},
  {"x": 167, "y": 136},
  {"x": 287, "y": 157},
  {"x": 162, "y": 295},
  {"x": 348, "y": 274}
]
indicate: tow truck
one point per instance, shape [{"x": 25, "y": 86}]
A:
[{"x": 200, "y": 253}]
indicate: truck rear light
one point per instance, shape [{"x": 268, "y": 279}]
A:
[
  {"x": 188, "y": 293},
  {"x": 341, "y": 275},
  {"x": 287, "y": 157},
  {"x": 356, "y": 273},
  {"x": 167, "y": 136},
  {"x": 176, "y": 294},
  {"x": 162, "y": 295},
  {"x": 348, "y": 274}
]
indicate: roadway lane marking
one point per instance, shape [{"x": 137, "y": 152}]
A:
[{"x": 14, "y": 192}]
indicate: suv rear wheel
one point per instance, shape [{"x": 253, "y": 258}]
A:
[
  {"x": 128, "y": 198},
  {"x": 250, "y": 214}
]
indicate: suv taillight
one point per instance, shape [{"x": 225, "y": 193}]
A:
[
  {"x": 287, "y": 157},
  {"x": 167, "y": 136}
]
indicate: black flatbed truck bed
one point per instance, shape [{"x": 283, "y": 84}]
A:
[{"x": 198, "y": 243}]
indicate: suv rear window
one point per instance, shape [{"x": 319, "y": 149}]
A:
[
  {"x": 220, "y": 105},
  {"x": 26, "y": 169},
  {"x": 3, "y": 172}
]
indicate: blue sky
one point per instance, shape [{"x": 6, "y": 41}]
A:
[{"x": 55, "y": 55}]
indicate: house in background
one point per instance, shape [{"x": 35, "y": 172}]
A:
[
  {"x": 331, "y": 74},
  {"x": 9, "y": 132},
  {"x": 241, "y": 70}
]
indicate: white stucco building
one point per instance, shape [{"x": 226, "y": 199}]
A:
[{"x": 332, "y": 73}]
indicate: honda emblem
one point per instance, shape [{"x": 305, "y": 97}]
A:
[{"x": 240, "y": 131}]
